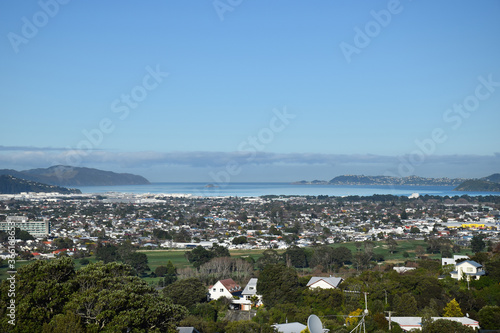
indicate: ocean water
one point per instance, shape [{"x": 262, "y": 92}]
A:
[{"x": 259, "y": 189}]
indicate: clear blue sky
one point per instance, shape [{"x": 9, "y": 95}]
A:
[{"x": 255, "y": 91}]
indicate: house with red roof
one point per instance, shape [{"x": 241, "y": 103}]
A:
[{"x": 224, "y": 288}]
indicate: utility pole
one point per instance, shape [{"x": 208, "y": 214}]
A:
[{"x": 390, "y": 313}]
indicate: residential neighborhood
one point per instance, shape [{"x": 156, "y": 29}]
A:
[{"x": 315, "y": 254}]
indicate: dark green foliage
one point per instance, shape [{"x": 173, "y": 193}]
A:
[
  {"x": 161, "y": 234},
  {"x": 239, "y": 240},
  {"x": 124, "y": 253},
  {"x": 23, "y": 235},
  {"x": 160, "y": 271},
  {"x": 138, "y": 261},
  {"x": 187, "y": 292},
  {"x": 322, "y": 300},
  {"x": 52, "y": 297},
  {"x": 446, "y": 326},
  {"x": 63, "y": 323},
  {"x": 199, "y": 255},
  {"x": 106, "y": 252},
  {"x": 63, "y": 243},
  {"x": 296, "y": 257},
  {"x": 477, "y": 244},
  {"x": 278, "y": 284},
  {"x": 489, "y": 317},
  {"x": 269, "y": 257},
  {"x": 84, "y": 261},
  {"x": 42, "y": 290}
]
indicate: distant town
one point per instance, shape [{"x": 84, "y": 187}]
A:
[
  {"x": 297, "y": 255},
  {"x": 265, "y": 222}
]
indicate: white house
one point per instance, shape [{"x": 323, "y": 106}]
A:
[
  {"x": 251, "y": 290},
  {"x": 224, "y": 288},
  {"x": 452, "y": 261},
  {"x": 330, "y": 282},
  {"x": 469, "y": 268}
]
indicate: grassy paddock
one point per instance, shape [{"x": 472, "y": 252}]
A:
[{"x": 161, "y": 257}]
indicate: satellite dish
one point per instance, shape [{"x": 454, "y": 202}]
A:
[{"x": 314, "y": 324}]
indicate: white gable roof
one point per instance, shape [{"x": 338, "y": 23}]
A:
[{"x": 333, "y": 281}]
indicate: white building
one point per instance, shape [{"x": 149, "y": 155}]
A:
[
  {"x": 224, "y": 288},
  {"x": 251, "y": 290},
  {"x": 38, "y": 229},
  {"x": 468, "y": 268},
  {"x": 452, "y": 261},
  {"x": 324, "y": 282}
]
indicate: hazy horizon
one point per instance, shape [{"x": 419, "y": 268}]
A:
[{"x": 251, "y": 91}]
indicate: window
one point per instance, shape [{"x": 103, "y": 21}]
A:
[
  {"x": 251, "y": 288},
  {"x": 469, "y": 269},
  {"x": 221, "y": 290},
  {"x": 214, "y": 289}
]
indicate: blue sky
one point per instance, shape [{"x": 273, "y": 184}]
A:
[{"x": 252, "y": 90}]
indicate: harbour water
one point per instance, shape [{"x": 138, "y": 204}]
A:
[{"x": 260, "y": 189}]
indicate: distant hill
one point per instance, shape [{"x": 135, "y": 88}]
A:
[
  {"x": 387, "y": 180},
  {"x": 12, "y": 185},
  {"x": 493, "y": 178},
  {"x": 485, "y": 184},
  {"x": 61, "y": 175}
]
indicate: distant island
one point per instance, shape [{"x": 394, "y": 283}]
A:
[
  {"x": 485, "y": 184},
  {"x": 12, "y": 185},
  {"x": 385, "y": 180},
  {"x": 62, "y": 175}
]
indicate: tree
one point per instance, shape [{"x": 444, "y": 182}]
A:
[
  {"x": 269, "y": 257},
  {"x": 277, "y": 284},
  {"x": 296, "y": 256},
  {"x": 405, "y": 304},
  {"x": 42, "y": 290},
  {"x": 63, "y": 243},
  {"x": 341, "y": 255},
  {"x": 107, "y": 253},
  {"x": 170, "y": 274},
  {"x": 489, "y": 317},
  {"x": 477, "y": 244},
  {"x": 446, "y": 326},
  {"x": 452, "y": 309},
  {"x": 111, "y": 298},
  {"x": 160, "y": 271},
  {"x": 187, "y": 292},
  {"x": 198, "y": 256},
  {"x": 392, "y": 244},
  {"x": 239, "y": 240},
  {"x": 23, "y": 235},
  {"x": 138, "y": 261}
]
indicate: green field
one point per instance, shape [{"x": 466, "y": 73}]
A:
[{"x": 161, "y": 257}]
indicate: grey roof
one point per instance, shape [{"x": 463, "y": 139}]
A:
[
  {"x": 187, "y": 330},
  {"x": 470, "y": 262},
  {"x": 290, "y": 327},
  {"x": 333, "y": 281},
  {"x": 251, "y": 284}
]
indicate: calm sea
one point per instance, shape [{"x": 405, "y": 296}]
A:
[{"x": 259, "y": 189}]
